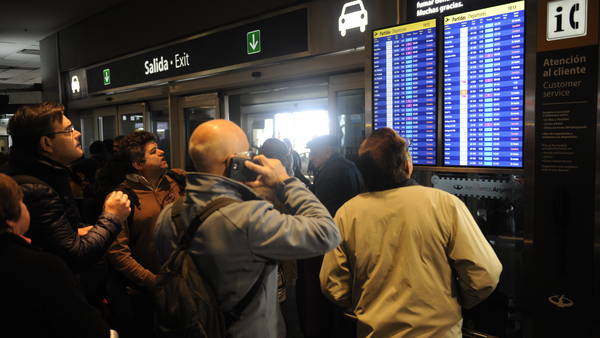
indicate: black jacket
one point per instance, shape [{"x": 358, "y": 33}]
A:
[
  {"x": 337, "y": 181},
  {"x": 40, "y": 297},
  {"x": 54, "y": 214}
]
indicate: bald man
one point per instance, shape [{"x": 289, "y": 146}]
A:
[{"x": 235, "y": 247}]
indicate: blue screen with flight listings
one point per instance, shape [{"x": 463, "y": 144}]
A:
[
  {"x": 483, "y": 87},
  {"x": 404, "y": 85}
]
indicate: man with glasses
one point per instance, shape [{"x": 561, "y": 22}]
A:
[
  {"x": 235, "y": 248},
  {"x": 45, "y": 143}
]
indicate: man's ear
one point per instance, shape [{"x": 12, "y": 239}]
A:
[
  {"x": 46, "y": 144},
  {"x": 137, "y": 165},
  {"x": 408, "y": 166},
  {"x": 11, "y": 224}
]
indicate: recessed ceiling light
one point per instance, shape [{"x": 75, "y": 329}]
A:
[{"x": 29, "y": 51}]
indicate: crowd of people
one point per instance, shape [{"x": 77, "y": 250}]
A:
[{"x": 361, "y": 251}]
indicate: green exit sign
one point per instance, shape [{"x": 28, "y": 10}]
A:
[
  {"x": 253, "y": 42},
  {"x": 106, "y": 76}
]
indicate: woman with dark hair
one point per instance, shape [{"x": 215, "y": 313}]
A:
[{"x": 39, "y": 294}]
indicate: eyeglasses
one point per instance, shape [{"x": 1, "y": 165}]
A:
[
  {"x": 68, "y": 131},
  {"x": 247, "y": 154}
]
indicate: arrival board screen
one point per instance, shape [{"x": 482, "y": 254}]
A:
[
  {"x": 404, "y": 85},
  {"x": 483, "y": 87}
]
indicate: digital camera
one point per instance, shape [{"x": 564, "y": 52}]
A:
[{"x": 238, "y": 171}]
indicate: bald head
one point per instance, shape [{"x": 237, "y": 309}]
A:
[{"x": 213, "y": 142}]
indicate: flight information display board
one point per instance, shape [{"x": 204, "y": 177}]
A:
[
  {"x": 404, "y": 85},
  {"x": 483, "y": 87}
]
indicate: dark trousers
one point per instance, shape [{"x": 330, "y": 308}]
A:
[{"x": 319, "y": 318}]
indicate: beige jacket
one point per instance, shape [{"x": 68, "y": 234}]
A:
[{"x": 409, "y": 258}]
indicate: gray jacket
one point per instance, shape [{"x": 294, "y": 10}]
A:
[{"x": 234, "y": 244}]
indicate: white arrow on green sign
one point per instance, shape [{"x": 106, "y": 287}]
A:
[
  {"x": 253, "y": 42},
  {"x": 106, "y": 76}
]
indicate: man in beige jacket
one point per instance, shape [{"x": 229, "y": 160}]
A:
[{"x": 411, "y": 256}]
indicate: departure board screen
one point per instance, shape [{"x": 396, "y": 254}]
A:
[
  {"x": 483, "y": 87},
  {"x": 404, "y": 85}
]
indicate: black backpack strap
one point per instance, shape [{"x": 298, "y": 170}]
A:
[
  {"x": 235, "y": 314},
  {"x": 178, "y": 178},
  {"x": 133, "y": 198},
  {"x": 186, "y": 238}
]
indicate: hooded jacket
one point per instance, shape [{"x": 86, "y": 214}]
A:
[
  {"x": 235, "y": 245},
  {"x": 55, "y": 217}
]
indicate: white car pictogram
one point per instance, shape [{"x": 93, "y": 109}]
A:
[
  {"x": 353, "y": 15},
  {"x": 75, "y": 84}
]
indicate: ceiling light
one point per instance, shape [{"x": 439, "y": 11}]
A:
[{"x": 29, "y": 51}]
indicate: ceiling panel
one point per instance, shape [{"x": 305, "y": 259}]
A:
[{"x": 24, "y": 23}]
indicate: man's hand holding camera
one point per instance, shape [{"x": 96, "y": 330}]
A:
[{"x": 271, "y": 171}]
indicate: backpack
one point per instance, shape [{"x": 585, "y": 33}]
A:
[{"x": 185, "y": 304}]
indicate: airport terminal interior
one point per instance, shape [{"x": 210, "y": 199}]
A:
[{"x": 498, "y": 100}]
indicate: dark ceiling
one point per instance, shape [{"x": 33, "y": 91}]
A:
[{"x": 24, "y": 23}]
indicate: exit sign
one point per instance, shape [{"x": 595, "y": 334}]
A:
[
  {"x": 106, "y": 76},
  {"x": 253, "y": 42}
]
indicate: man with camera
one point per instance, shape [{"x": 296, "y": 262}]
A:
[{"x": 236, "y": 246}]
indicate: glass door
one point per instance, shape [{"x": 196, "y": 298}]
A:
[
  {"x": 160, "y": 126},
  {"x": 106, "y": 125},
  {"x": 196, "y": 110},
  {"x": 132, "y": 117},
  {"x": 259, "y": 127},
  {"x": 87, "y": 128},
  {"x": 347, "y": 109}
]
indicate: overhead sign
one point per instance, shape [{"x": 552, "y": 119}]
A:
[
  {"x": 566, "y": 19},
  {"x": 427, "y": 9},
  {"x": 106, "y": 76},
  {"x": 242, "y": 44},
  {"x": 354, "y": 15},
  {"x": 253, "y": 42},
  {"x": 76, "y": 82}
]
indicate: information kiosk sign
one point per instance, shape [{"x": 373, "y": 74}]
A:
[
  {"x": 404, "y": 85},
  {"x": 483, "y": 87}
]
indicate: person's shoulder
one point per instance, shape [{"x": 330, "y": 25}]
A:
[
  {"x": 248, "y": 213},
  {"x": 437, "y": 194},
  {"x": 178, "y": 171},
  {"x": 34, "y": 260},
  {"x": 177, "y": 176},
  {"x": 35, "y": 189}
]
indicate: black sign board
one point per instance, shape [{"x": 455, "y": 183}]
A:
[
  {"x": 428, "y": 9},
  {"x": 276, "y": 36},
  {"x": 565, "y": 148}
]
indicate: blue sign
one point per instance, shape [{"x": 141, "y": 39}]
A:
[
  {"x": 404, "y": 85},
  {"x": 483, "y": 87}
]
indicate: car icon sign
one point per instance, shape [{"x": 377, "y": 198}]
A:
[
  {"x": 353, "y": 15},
  {"x": 75, "y": 84}
]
